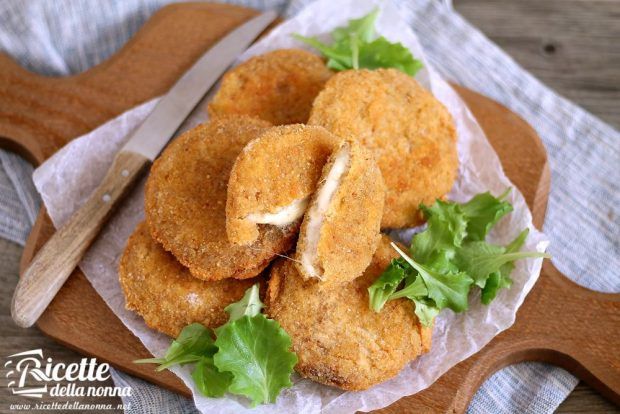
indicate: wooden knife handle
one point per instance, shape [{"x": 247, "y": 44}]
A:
[{"x": 53, "y": 264}]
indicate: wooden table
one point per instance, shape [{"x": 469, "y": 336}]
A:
[{"x": 571, "y": 45}]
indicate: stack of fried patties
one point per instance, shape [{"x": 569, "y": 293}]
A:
[{"x": 289, "y": 184}]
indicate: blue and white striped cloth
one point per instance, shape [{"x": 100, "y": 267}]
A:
[{"x": 69, "y": 36}]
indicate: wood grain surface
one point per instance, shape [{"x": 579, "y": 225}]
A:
[
  {"x": 570, "y": 45},
  {"x": 55, "y": 261},
  {"x": 58, "y": 321},
  {"x": 15, "y": 339}
]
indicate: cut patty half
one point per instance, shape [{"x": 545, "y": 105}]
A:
[
  {"x": 338, "y": 339},
  {"x": 278, "y": 87},
  {"x": 340, "y": 229},
  {"x": 185, "y": 202},
  {"x": 273, "y": 178},
  {"x": 295, "y": 170},
  {"x": 410, "y": 133},
  {"x": 164, "y": 292}
]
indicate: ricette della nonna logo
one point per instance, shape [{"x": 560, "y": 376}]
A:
[{"x": 31, "y": 374}]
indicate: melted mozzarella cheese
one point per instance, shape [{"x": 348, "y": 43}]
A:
[
  {"x": 282, "y": 217},
  {"x": 318, "y": 210}
]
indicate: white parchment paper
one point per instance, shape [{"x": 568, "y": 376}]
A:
[{"x": 69, "y": 177}]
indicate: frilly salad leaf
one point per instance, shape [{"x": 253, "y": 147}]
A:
[
  {"x": 425, "y": 310},
  {"x": 446, "y": 229},
  {"x": 482, "y": 212},
  {"x": 209, "y": 380},
  {"x": 249, "y": 305},
  {"x": 256, "y": 351},
  {"x": 383, "y": 289},
  {"x": 194, "y": 342},
  {"x": 481, "y": 259},
  {"x": 414, "y": 288},
  {"x": 356, "y": 46},
  {"x": 447, "y": 289},
  {"x": 501, "y": 279},
  {"x": 449, "y": 257},
  {"x": 249, "y": 356}
]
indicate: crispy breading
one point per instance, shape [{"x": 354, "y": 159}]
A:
[
  {"x": 291, "y": 167},
  {"x": 340, "y": 230},
  {"x": 409, "y": 131},
  {"x": 185, "y": 202},
  {"x": 278, "y": 87},
  {"x": 165, "y": 294},
  {"x": 338, "y": 339},
  {"x": 279, "y": 168}
]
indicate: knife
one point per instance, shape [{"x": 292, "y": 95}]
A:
[{"x": 53, "y": 264}]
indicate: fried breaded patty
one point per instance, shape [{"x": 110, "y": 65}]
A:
[
  {"x": 340, "y": 229},
  {"x": 338, "y": 339},
  {"x": 185, "y": 202},
  {"x": 291, "y": 167},
  {"x": 411, "y": 134},
  {"x": 273, "y": 178},
  {"x": 278, "y": 87},
  {"x": 165, "y": 294}
]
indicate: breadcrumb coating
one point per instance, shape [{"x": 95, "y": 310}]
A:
[
  {"x": 278, "y": 87},
  {"x": 337, "y": 244},
  {"x": 273, "y": 171},
  {"x": 292, "y": 166},
  {"x": 338, "y": 339},
  {"x": 410, "y": 133},
  {"x": 165, "y": 294},
  {"x": 185, "y": 202}
]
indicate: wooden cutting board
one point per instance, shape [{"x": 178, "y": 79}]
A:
[{"x": 559, "y": 322}]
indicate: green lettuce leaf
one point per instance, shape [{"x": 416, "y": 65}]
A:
[
  {"x": 501, "y": 279},
  {"x": 362, "y": 28},
  {"x": 356, "y": 46},
  {"x": 482, "y": 212},
  {"x": 425, "y": 310},
  {"x": 513, "y": 247},
  {"x": 450, "y": 256},
  {"x": 472, "y": 254},
  {"x": 479, "y": 259},
  {"x": 250, "y": 355},
  {"x": 256, "y": 351},
  {"x": 445, "y": 289},
  {"x": 380, "y": 291},
  {"x": 249, "y": 305},
  {"x": 445, "y": 231},
  {"x": 209, "y": 380},
  {"x": 194, "y": 342},
  {"x": 381, "y": 53},
  {"x": 414, "y": 288},
  {"x": 492, "y": 286}
]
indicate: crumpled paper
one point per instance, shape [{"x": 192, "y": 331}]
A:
[{"x": 68, "y": 178}]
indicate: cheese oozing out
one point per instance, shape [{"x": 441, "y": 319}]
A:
[
  {"x": 317, "y": 211},
  {"x": 283, "y": 216}
]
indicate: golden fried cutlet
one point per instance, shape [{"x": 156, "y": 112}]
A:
[
  {"x": 185, "y": 202},
  {"x": 411, "y": 134},
  {"x": 278, "y": 87},
  {"x": 290, "y": 168},
  {"x": 164, "y": 293},
  {"x": 273, "y": 178},
  {"x": 338, "y": 339},
  {"x": 340, "y": 229}
]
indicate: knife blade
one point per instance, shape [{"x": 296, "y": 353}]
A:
[
  {"x": 55, "y": 261},
  {"x": 150, "y": 138}
]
